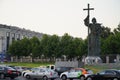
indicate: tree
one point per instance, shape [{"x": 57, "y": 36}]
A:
[
  {"x": 35, "y": 47},
  {"x": 26, "y": 46},
  {"x": 105, "y": 32},
  {"x": 14, "y": 49},
  {"x": 116, "y": 30},
  {"x": 65, "y": 46},
  {"x": 80, "y": 47},
  {"x": 111, "y": 45},
  {"x": 44, "y": 44},
  {"x": 53, "y": 44}
]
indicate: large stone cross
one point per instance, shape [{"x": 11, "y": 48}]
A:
[{"x": 88, "y": 9}]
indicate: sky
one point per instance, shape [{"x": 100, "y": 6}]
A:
[{"x": 58, "y": 16}]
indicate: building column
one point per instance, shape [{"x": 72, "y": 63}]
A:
[
  {"x": 107, "y": 59},
  {"x": 118, "y": 58}
]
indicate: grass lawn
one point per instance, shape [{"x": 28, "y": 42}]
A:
[
  {"x": 28, "y": 64},
  {"x": 95, "y": 69}
]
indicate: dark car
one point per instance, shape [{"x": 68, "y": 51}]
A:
[
  {"x": 60, "y": 70},
  {"x": 105, "y": 75},
  {"x": 8, "y": 72}
]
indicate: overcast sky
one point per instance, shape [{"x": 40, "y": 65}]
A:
[{"x": 58, "y": 16}]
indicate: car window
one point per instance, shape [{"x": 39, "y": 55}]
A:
[
  {"x": 110, "y": 72},
  {"x": 102, "y": 72},
  {"x": 72, "y": 70},
  {"x": 10, "y": 68},
  {"x": 90, "y": 71},
  {"x": 1, "y": 68},
  {"x": 42, "y": 70},
  {"x": 58, "y": 69},
  {"x": 78, "y": 70},
  {"x": 34, "y": 69}
]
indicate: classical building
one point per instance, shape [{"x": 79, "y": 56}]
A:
[{"x": 10, "y": 33}]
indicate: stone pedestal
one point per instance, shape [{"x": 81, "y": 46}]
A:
[{"x": 92, "y": 60}]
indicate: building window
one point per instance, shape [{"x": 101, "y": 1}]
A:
[
  {"x": 13, "y": 37},
  {"x": 8, "y": 39},
  {"x": 8, "y": 34},
  {"x": 18, "y": 36}
]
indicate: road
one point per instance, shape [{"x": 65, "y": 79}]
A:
[
  {"x": 22, "y": 78},
  {"x": 18, "y": 78}
]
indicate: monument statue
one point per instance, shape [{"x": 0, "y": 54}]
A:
[
  {"x": 94, "y": 30},
  {"x": 94, "y": 37}
]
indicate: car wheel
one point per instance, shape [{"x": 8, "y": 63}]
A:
[
  {"x": 115, "y": 79},
  {"x": 82, "y": 78},
  {"x": 12, "y": 77},
  {"x": 28, "y": 76},
  {"x": 89, "y": 78},
  {"x": 71, "y": 79},
  {"x": 19, "y": 73},
  {"x": 2, "y": 76},
  {"x": 23, "y": 74},
  {"x": 45, "y": 78},
  {"x": 64, "y": 77},
  {"x": 52, "y": 79}
]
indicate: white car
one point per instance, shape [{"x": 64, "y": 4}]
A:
[
  {"x": 76, "y": 73},
  {"x": 42, "y": 73},
  {"x": 29, "y": 70}
]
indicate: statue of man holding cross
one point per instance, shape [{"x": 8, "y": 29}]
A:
[
  {"x": 94, "y": 30},
  {"x": 94, "y": 37}
]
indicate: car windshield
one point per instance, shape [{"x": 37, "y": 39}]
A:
[
  {"x": 89, "y": 71},
  {"x": 34, "y": 69},
  {"x": 10, "y": 68}
]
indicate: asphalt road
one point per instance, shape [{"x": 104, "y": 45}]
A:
[
  {"x": 18, "y": 78},
  {"x": 22, "y": 78}
]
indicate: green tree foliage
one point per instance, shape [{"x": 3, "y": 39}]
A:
[
  {"x": 20, "y": 48},
  {"x": 44, "y": 44},
  {"x": 25, "y": 47},
  {"x": 35, "y": 47},
  {"x": 14, "y": 48},
  {"x": 112, "y": 43},
  {"x": 65, "y": 45},
  {"x": 80, "y": 47},
  {"x": 116, "y": 30},
  {"x": 49, "y": 46},
  {"x": 53, "y": 45},
  {"x": 105, "y": 32}
]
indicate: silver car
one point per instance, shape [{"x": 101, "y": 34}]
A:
[{"x": 43, "y": 73}]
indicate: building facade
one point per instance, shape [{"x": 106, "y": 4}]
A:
[{"x": 10, "y": 33}]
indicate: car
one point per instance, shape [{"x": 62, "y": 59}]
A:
[
  {"x": 76, "y": 73},
  {"x": 60, "y": 70},
  {"x": 42, "y": 73},
  {"x": 29, "y": 70},
  {"x": 8, "y": 72},
  {"x": 111, "y": 74},
  {"x": 20, "y": 69}
]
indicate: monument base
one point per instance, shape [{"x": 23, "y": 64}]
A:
[{"x": 92, "y": 60}]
